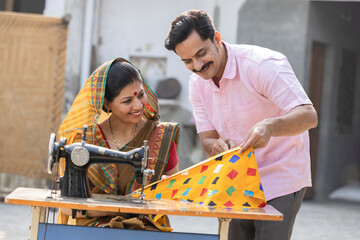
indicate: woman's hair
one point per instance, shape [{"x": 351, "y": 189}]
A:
[
  {"x": 119, "y": 76},
  {"x": 185, "y": 23}
]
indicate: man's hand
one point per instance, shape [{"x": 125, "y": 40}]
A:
[
  {"x": 296, "y": 121},
  {"x": 221, "y": 145},
  {"x": 258, "y": 136}
]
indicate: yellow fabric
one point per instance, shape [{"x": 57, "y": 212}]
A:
[{"x": 228, "y": 180}]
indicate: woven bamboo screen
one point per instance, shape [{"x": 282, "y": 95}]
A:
[{"x": 32, "y": 69}]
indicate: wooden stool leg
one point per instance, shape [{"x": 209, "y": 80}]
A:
[
  {"x": 38, "y": 216},
  {"x": 224, "y": 228}
]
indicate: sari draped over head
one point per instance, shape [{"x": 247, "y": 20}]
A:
[
  {"x": 87, "y": 106},
  {"x": 117, "y": 179}
]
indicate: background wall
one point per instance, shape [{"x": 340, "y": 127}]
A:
[
  {"x": 280, "y": 25},
  {"x": 337, "y": 26}
]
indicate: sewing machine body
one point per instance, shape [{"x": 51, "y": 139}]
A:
[
  {"x": 74, "y": 182},
  {"x": 79, "y": 156}
]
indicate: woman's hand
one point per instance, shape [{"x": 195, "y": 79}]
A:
[{"x": 163, "y": 177}]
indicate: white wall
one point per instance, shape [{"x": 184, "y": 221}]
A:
[
  {"x": 134, "y": 28},
  {"x": 139, "y": 28},
  {"x": 76, "y": 9}
]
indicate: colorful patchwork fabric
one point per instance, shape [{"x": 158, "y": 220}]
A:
[{"x": 227, "y": 180}]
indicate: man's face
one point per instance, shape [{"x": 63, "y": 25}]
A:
[{"x": 202, "y": 57}]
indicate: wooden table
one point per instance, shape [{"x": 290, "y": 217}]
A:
[{"x": 40, "y": 199}]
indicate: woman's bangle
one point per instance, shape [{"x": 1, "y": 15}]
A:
[{"x": 86, "y": 215}]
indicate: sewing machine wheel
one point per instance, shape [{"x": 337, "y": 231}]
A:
[{"x": 51, "y": 154}]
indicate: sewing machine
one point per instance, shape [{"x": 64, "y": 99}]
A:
[{"x": 79, "y": 156}]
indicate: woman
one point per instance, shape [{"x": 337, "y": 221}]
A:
[{"x": 131, "y": 116}]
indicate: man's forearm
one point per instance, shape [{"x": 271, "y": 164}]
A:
[{"x": 297, "y": 121}]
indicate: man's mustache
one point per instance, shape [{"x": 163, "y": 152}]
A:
[{"x": 203, "y": 67}]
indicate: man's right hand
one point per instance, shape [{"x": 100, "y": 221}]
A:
[
  {"x": 213, "y": 144},
  {"x": 221, "y": 145}
]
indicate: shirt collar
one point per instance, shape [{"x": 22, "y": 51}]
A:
[
  {"x": 230, "y": 67},
  {"x": 229, "y": 71}
]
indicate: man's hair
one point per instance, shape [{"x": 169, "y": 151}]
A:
[{"x": 185, "y": 23}]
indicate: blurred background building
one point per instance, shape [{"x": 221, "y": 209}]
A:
[{"x": 320, "y": 38}]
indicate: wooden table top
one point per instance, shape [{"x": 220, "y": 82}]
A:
[{"x": 49, "y": 198}]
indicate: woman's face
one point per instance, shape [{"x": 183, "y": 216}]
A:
[{"x": 128, "y": 106}]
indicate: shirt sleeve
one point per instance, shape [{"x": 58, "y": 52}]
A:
[
  {"x": 277, "y": 82},
  {"x": 173, "y": 158},
  {"x": 202, "y": 120}
]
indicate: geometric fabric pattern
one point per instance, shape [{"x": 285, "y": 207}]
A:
[{"x": 227, "y": 180}]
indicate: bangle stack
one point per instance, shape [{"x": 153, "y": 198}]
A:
[{"x": 86, "y": 215}]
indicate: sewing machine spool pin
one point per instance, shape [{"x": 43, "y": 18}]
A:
[
  {"x": 83, "y": 137},
  {"x": 146, "y": 172}
]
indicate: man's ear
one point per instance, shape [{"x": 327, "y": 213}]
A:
[{"x": 217, "y": 37}]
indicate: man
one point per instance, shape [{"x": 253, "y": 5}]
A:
[{"x": 249, "y": 96}]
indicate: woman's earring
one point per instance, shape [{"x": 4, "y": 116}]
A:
[{"x": 108, "y": 111}]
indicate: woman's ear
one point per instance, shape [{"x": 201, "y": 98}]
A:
[{"x": 106, "y": 105}]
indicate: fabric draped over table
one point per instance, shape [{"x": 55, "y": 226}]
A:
[{"x": 227, "y": 180}]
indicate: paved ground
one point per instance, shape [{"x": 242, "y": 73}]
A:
[
  {"x": 331, "y": 220},
  {"x": 334, "y": 220}
]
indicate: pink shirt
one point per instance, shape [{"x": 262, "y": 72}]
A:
[{"x": 257, "y": 83}]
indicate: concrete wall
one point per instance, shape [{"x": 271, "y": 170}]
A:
[
  {"x": 337, "y": 26},
  {"x": 280, "y": 25},
  {"x": 290, "y": 27}
]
